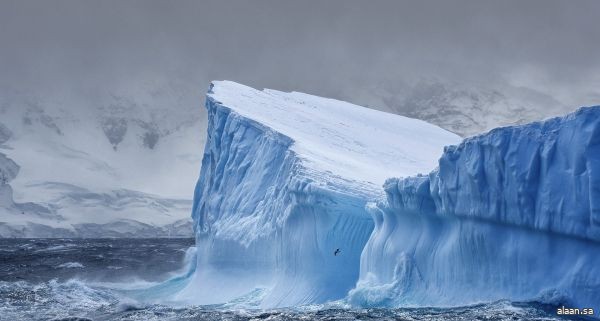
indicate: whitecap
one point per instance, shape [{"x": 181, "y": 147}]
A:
[{"x": 71, "y": 265}]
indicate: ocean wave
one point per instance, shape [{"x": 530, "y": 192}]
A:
[
  {"x": 76, "y": 300},
  {"x": 70, "y": 265}
]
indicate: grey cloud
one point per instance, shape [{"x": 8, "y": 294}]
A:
[{"x": 323, "y": 47}]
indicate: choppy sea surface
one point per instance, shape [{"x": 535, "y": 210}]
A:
[{"x": 95, "y": 279}]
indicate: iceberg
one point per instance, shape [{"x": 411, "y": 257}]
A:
[
  {"x": 284, "y": 182},
  {"x": 512, "y": 214},
  {"x": 306, "y": 200}
]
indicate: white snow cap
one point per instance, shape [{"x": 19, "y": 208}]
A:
[{"x": 340, "y": 138}]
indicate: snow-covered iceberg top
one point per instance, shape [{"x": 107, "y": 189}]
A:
[{"x": 339, "y": 139}]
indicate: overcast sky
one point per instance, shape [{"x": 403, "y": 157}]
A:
[{"x": 322, "y": 47}]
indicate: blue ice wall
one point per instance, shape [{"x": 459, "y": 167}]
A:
[
  {"x": 544, "y": 176},
  {"x": 263, "y": 227},
  {"x": 511, "y": 214}
]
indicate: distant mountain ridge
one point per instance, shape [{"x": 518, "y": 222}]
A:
[
  {"x": 123, "y": 166},
  {"x": 469, "y": 109}
]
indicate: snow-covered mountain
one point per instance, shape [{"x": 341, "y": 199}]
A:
[
  {"x": 463, "y": 108},
  {"x": 291, "y": 208},
  {"x": 116, "y": 166}
]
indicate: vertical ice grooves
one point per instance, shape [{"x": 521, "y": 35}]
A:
[
  {"x": 262, "y": 222},
  {"x": 512, "y": 214}
]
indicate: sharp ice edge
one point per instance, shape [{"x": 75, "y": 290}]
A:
[{"x": 269, "y": 209}]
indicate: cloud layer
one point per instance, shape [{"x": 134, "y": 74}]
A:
[{"x": 329, "y": 48}]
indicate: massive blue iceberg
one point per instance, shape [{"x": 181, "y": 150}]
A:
[
  {"x": 288, "y": 178},
  {"x": 284, "y": 183}
]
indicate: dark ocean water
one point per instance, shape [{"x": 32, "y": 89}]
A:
[{"x": 91, "y": 279}]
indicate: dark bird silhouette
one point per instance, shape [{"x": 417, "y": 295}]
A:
[{"x": 337, "y": 251}]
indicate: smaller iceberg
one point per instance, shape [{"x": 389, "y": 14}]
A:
[{"x": 512, "y": 214}]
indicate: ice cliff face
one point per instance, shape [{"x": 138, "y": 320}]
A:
[
  {"x": 288, "y": 179},
  {"x": 543, "y": 176},
  {"x": 511, "y": 214},
  {"x": 284, "y": 183}
]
